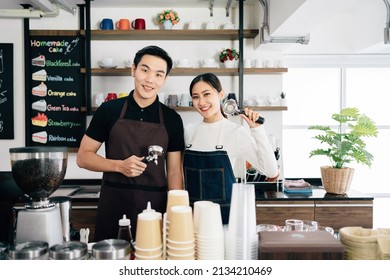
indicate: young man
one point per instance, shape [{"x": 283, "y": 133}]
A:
[{"x": 128, "y": 126}]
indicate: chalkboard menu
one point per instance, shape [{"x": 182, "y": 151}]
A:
[
  {"x": 6, "y": 92},
  {"x": 56, "y": 91}
]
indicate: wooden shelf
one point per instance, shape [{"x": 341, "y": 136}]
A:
[
  {"x": 255, "y": 108},
  {"x": 189, "y": 71},
  {"x": 190, "y": 109},
  {"x": 45, "y": 32},
  {"x": 157, "y": 34},
  {"x": 108, "y": 72}
]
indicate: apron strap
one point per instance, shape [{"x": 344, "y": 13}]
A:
[{"x": 219, "y": 145}]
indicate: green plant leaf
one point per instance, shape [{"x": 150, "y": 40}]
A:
[{"x": 344, "y": 147}]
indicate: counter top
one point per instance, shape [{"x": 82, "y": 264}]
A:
[
  {"x": 274, "y": 191},
  {"x": 264, "y": 191}
]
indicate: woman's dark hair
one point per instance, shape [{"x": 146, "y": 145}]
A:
[
  {"x": 155, "y": 51},
  {"x": 210, "y": 79}
]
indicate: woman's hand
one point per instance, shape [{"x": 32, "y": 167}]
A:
[
  {"x": 251, "y": 117},
  {"x": 133, "y": 166}
]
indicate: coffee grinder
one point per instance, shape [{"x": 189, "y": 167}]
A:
[{"x": 39, "y": 171}]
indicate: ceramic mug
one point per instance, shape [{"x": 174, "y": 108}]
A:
[
  {"x": 193, "y": 25},
  {"x": 208, "y": 62},
  {"x": 184, "y": 100},
  {"x": 110, "y": 96},
  {"x": 99, "y": 99},
  {"x": 106, "y": 24},
  {"x": 138, "y": 23},
  {"x": 106, "y": 62},
  {"x": 123, "y": 24},
  {"x": 229, "y": 25},
  {"x": 248, "y": 63},
  {"x": 211, "y": 25},
  {"x": 259, "y": 63},
  {"x": 182, "y": 62},
  {"x": 172, "y": 100}
]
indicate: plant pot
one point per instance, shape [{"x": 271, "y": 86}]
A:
[
  {"x": 168, "y": 24},
  {"x": 336, "y": 180},
  {"x": 229, "y": 64}
]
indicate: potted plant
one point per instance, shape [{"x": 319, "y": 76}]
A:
[
  {"x": 168, "y": 18},
  {"x": 343, "y": 146},
  {"x": 228, "y": 57}
]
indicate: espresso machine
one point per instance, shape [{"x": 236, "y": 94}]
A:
[{"x": 39, "y": 171}]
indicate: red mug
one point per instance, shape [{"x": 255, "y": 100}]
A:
[
  {"x": 138, "y": 23},
  {"x": 110, "y": 96}
]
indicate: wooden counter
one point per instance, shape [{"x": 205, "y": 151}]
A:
[
  {"x": 272, "y": 207},
  {"x": 336, "y": 211}
]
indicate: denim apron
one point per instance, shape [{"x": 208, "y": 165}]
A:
[{"x": 209, "y": 176}]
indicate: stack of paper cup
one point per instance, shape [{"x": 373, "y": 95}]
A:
[
  {"x": 175, "y": 198},
  {"x": 242, "y": 238},
  {"x": 180, "y": 234},
  {"x": 149, "y": 236},
  {"x": 209, "y": 233}
]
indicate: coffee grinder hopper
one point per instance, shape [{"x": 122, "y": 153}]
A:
[{"x": 39, "y": 171}]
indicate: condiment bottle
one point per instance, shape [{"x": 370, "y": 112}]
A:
[{"x": 124, "y": 233}]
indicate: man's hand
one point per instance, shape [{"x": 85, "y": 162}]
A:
[{"x": 133, "y": 166}]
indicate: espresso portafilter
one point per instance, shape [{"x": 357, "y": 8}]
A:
[
  {"x": 230, "y": 107},
  {"x": 154, "y": 151}
]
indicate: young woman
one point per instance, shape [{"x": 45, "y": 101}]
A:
[{"x": 217, "y": 149}]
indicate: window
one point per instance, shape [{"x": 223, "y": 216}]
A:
[{"x": 313, "y": 94}]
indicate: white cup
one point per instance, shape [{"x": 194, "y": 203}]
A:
[
  {"x": 229, "y": 25},
  {"x": 184, "y": 100},
  {"x": 127, "y": 63},
  {"x": 279, "y": 64},
  {"x": 259, "y": 63},
  {"x": 261, "y": 101},
  {"x": 267, "y": 64},
  {"x": 183, "y": 62},
  {"x": 193, "y": 25},
  {"x": 273, "y": 100},
  {"x": 209, "y": 222},
  {"x": 211, "y": 25},
  {"x": 248, "y": 63},
  {"x": 106, "y": 62},
  {"x": 99, "y": 99},
  {"x": 208, "y": 62}
]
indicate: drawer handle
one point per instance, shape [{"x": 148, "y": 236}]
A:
[
  {"x": 343, "y": 205},
  {"x": 284, "y": 205},
  {"x": 84, "y": 207}
]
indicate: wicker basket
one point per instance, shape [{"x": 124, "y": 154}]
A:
[
  {"x": 336, "y": 180},
  {"x": 359, "y": 243}
]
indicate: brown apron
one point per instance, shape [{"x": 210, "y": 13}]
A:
[{"x": 122, "y": 195}]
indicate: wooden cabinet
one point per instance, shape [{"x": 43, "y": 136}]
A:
[
  {"x": 83, "y": 215},
  {"x": 353, "y": 210},
  {"x": 276, "y": 212},
  {"x": 338, "y": 214}
]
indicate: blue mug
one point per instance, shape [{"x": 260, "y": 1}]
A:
[{"x": 107, "y": 24}]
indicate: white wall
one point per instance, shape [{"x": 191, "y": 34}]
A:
[{"x": 254, "y": 85}]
